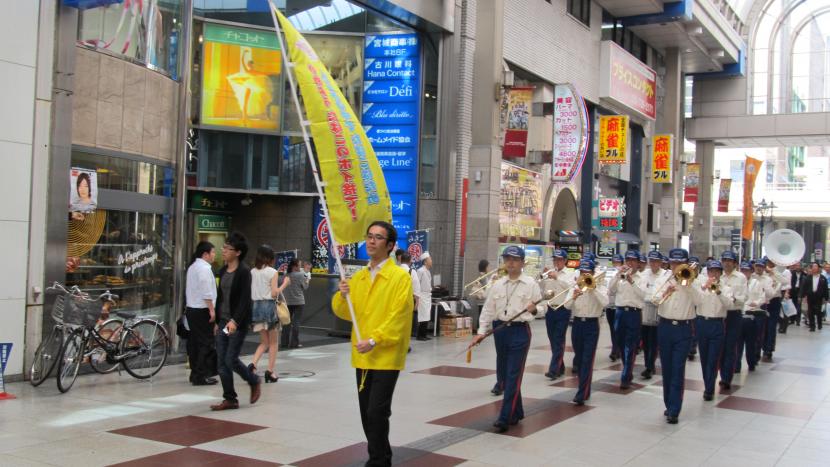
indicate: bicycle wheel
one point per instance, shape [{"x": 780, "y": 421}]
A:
[
  {"x": 144, "y": 347},
  {"x": 111, "y": 331},
  {"x": 71, "y": 357},
  {"x": 46, "y": 356}
]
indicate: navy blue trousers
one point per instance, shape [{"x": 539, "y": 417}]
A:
[
  {"x": 649, "y": 334},
  {"x": 674, "y": 341},
  {"x": 774, "y": 310},
  {"x": 730, "y": 359},
  {"x": 584, "y": 336},
  {"x": 710, "y": 337},
  {"x": 629, "y": 321},
  {"x": 556, "y": 322},
  {"x": 748, "y": 343},
  {"x": 512, "y": 345},
  {"x": 611, "y": 317},
  {"x": 760, "y": 334}
]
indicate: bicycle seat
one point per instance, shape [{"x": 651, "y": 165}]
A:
[{"x": 125, "y": 314}]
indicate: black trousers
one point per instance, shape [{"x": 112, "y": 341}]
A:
[
  {"x": 375, "y": 399},
  {"x": 200, "y": 346},
  {"x": 290, "y": 336},
  {"x": 423, "y": 328},
  {"x": 814, "y": 315}
]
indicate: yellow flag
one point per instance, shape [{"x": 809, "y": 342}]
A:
[{"x": 355, "y": 189}]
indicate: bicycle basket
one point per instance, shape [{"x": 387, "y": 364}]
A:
[
  {"x": 81, "y": 312},
  {"x": 58, "y": 307}
]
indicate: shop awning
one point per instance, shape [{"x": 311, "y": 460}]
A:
[{"x": 569, "y": 236}]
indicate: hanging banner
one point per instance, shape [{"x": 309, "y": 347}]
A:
[
  {"x": 661, "y": 158},
  {"x": 519, "y": 101},
  {"x": 613, "y": 133},
  {"x": 610, "y": 212},
  {"x": 355, "y": 189},
  {"x": 418, "y": 241},
  {"x": 520, "y": 211},
  {"x": 570, "y": 133},
  {"x": 321, "y": 261},
  {"x": 692, "y": 183},
  {"x": 627, "y": 81},
  {"x": 723, "y": 194},
  {"x": 751, "y": 169}
]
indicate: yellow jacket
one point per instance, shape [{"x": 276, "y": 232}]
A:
[{"x": 383, "y": 310}]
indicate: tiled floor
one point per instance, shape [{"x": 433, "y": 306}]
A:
[{"x": 442, "y": 415}]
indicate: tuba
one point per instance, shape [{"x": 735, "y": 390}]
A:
[{"x": 784, "y": 247}]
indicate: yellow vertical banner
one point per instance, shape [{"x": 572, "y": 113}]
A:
[
  {"x": 355, "y": 190},
  {"x": 751, "y": 169},
  {"x": 613, "y": 134},
  {"x": 661, "y": 158}
]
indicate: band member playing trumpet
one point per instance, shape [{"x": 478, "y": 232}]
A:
[
  {"x": 586, "y": 300},
  {"x": 711, "y": 314},
  {"x": 648, "y": 331},
  {"x": 768, "y": 284},
  {"x": 611, "y": 312},
  {"x": 674, "y": 333},
  {"x": 630, "y": 292},
  {"x": 508, "y": 297},
  {"x": 736, "y": 281},
  {"x": 557, "y": 280},
  {"x": 781, "y": 289}
]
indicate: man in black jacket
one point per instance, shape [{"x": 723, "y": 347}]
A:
[
  {"x": 814, "y": 290},
  {"x": 233, "y": 317},
  {"x": 796, "y": 279}
]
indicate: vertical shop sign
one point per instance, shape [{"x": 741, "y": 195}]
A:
[
  {"x": 282, "y": 258},
  {"x": 661, "y": 158},
  {"x": 610, "y": 213},
  {"x": 418, "y": 241},
  {"x": 518, "y": 119},
  {"x": 391, "y": 116},
  {"x": 723, "y": 195},
  {"x": 692, "y": 183},
  {"x": 570, "y": 133},
  {"x": 627, "y": 81},
  {"x": 520, "y": 212},
  {"x": 613, "y": 134}
]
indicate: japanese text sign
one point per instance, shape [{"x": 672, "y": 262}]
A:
[
  {"x": 570, "y": 133},
  {"x": 692, "y": 183},
  {"x": 613, "y": 134},
  {"x": 661, "y": 158},
  {"x": 627, "y": 81}
]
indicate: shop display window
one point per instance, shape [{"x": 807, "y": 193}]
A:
[
  {"x": 147, "y": 32},
  {"x": 117, "y": 173}
]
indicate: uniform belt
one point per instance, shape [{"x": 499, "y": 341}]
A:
[
  {"x": 196, "y": 309},
  {"x": 584, "y": 319},
  {"x": 514, "y": 323},
  {"x": 733, "y": 311},
  {"x": 709, "y": 318},
  {"x": 675, "y": 322},
  {"x": 629, "y": 308}
]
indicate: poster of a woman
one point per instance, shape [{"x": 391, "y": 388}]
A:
[{"x": 83, "y": 192}]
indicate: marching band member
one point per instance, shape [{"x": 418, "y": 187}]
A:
[
  {"x": 643, "y": 262},
  {"x": 648, "y": 331},
  {"x": 759, "y": 269},
  {"x": 557, "y": 280},
  {"x": 629, "y": 292},
  {"x": 781, "y": 289},
  {"x": 506, "y": 298},
  {"x": 736, "y": 282},
  {"x": 756, "y": 296},
  {"x": 716, "y": 298},
  {"x": 611, "y": 312},
  {"x": 676, "y": 304},
  {"x": 665, "y": 264},
  {"x": 586, "y": 306},
  {"x": 701, "y": 277}
]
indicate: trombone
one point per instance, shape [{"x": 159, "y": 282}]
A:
[
  {"x": 489, "y": 282},
  {"x": 474, "y": 281},
  {"x": 684, "y": 275},
  {"x": 584, "y": 283}
]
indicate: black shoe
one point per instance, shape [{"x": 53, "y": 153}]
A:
[
  {"x": 421, "y": 339},
  {"x": 578, "y": 402},
  {"x": 252, "y": 368},
  {"x": 707, "y": 397},
  {"x": 691, "y": 357},
  {"x": 752, "y": 368},
  {"x": 612, "y": 357},
  {"x": 646, "y": 374},
  {"x": 552, "y": 376},
  {"x": 727, "y": 386},
  {"x": 574, "y": 371},
  {"x": 496, "y": 392},
  {"x": 206, "y": 382},
  {"x": 812, "y": 329},
  {"x": 270, "y": 378},
  {"x": 671, "y": 420},
  {"x": 666, "y": 413},
  {"x": 625, "y": 386},
  {"x": 500, "y": 427}
]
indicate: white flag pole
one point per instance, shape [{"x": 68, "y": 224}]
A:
[{"x": 303, "y": 125}]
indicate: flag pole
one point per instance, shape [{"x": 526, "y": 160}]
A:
[{"x": 333, "y": 250}]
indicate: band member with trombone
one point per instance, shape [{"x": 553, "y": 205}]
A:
[
  {"x": 736, "y": 282},
  {"x": 676, "y": 299},
  {"x": 557, "y": 316},
  {"x": 754, "y": 315},
  {"x": 611, "y": 311},
  {"x": 648, "y": 331},
  {"x": 511, "y": 304},
  {"x": 586, "y": 299},
  {"x": 716, "y": 298},
  {"x": 781, "y": 289},
  {"x": 630, "y": 292}
]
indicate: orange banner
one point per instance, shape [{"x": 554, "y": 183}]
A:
[{"x": 753, "y": 166}]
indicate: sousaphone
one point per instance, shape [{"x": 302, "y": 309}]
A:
[{"x": 784, "y": 247}]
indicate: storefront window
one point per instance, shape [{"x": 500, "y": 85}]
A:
[
  {"x": 117, "y": 173},
  {"x": 147, "y": 32}
]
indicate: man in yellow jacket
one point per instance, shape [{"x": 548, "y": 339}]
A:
[{"x": 382, "y": 297}]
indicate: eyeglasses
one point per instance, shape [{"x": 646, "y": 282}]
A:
[{"x": 376, "y": 237}]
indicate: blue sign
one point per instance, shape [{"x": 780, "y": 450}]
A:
[
  {"x": 5, "y": 350},
  {"x": 282, "y": 258},
  {"x": 418, "y": 243},
  {"x": 391, "y": 115}
]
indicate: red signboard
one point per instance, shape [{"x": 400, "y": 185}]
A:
[{"x": 627, "y": 80}]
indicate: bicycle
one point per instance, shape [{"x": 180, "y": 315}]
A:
[
  {"x": 139, "y": 344},
  {"x": 49, "y": 350}
]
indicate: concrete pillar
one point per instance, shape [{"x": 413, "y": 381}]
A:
[
  {"x": 671, "y": 122},
  {"x": 485, "y": 151},
  {"x": 701, "y": 230}
]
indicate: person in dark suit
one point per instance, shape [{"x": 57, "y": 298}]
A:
[
  {"x": 796, "y": 279},
  {"x": 814, "y": 290}
]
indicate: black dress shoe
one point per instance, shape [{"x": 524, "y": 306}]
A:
[
  {"x": 578, "y": 402},
  {"x": 671, "y": 420},
  {"x": 707, "y": 396},
  {"x": 625, "y": 385},
  {"x": 550, "y": 375},
  {"x": 205, "y": 382},
  {"x": 646, "y": 374},
  {"x": 496, "y": 391},
  {"x": 666, "y": 413},
  {"x": 721, "y": 383},
  {"x": 500, "y": 427},
  {"x": 421, "y": 339},
  {"x": 752, "y": 368}
]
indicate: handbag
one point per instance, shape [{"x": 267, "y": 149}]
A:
[
  {"x": 282, "y": 311},
  {"x": 182, "y": 328},
  {"x": 788, "y": 307}
]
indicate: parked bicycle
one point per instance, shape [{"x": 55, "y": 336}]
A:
[{"x": 48, "y": 352}]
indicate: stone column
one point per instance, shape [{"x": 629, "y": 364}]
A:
[
  {"x": 672, "y": 123},
  {"x": 701, "y": 229}
]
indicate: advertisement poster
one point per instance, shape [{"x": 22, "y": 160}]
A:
[
  {"x": 627, "y": 81},
  {"x": 283, "y": 258},
  {"x": 391, "y": 116},
  {"x": 661, "y": 158},
  {"x": 570, "y": 133},
  {"x": 611, "y": 212},
  {"x": 519, "y": 102},
  {"x": 692, "y": 183},
  {"x": 83, "y": 191},
  {"x": 520, "y": 211},
  {"x": 613, "y": 133},
  {"x": 418, "y": 241},
  {"x": 723, "y": 195},
  {"x": 321, "y": 261},
  {"x": 751, "y": 169},
  {"x": 241, "y": 78}
]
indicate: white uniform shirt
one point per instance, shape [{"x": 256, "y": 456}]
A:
[
  {"x": 200, "y": 285},
  {"x": 757, "y": 291},
  {"x": 590, "y": 304},
  {"x": 770, "y": 287},
  {"x": 413, "y": 274},
  {"x": 425, "y": 295},
  {"x": 681, "y": 303},
  {"x": 650, "y": 280},
  {"x": 565, "y": 279},
  {"x": 737, "y": 284},
  {"x": 713, "y": 305},
  {"x": 506, "y": 299},
  {"x": 629, "y": 294},
  {"x": 780, "y": 281}
]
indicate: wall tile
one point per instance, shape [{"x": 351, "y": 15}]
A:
[
  {"x": 87, "y": 70},
  {"x": 135, "y": 87},
  {"x": 150, "y": 139},
  {"x": 16, "y": 160},
  {"x": 132, "y": 130},
  {"x": 152, "y": 94},
  {"x": 108, "y": 133},
  {"x": 17, "y": 93},
  {"x": 84, "y": 120},
  {"x": 111, "y": 80}
]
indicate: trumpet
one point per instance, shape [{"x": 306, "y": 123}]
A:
[
  {"x": 714, "y": 287},
  {"x": 587, "y": 281}
]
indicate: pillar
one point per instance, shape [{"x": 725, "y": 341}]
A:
[
  {"x": 701, "y": 230},
  {"x": 671, "y": 123}
]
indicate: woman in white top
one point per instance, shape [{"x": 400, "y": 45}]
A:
[{"x": 264, "y": 290}]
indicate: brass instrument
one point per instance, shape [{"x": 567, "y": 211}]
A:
[
  {"x": 684, "y": 275},
  {"x": 500, "y": 271},
  {"x": 714, "y": 287},
  {"x": 586, "y": 281},
  {"x": 482, "y": 277}
]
